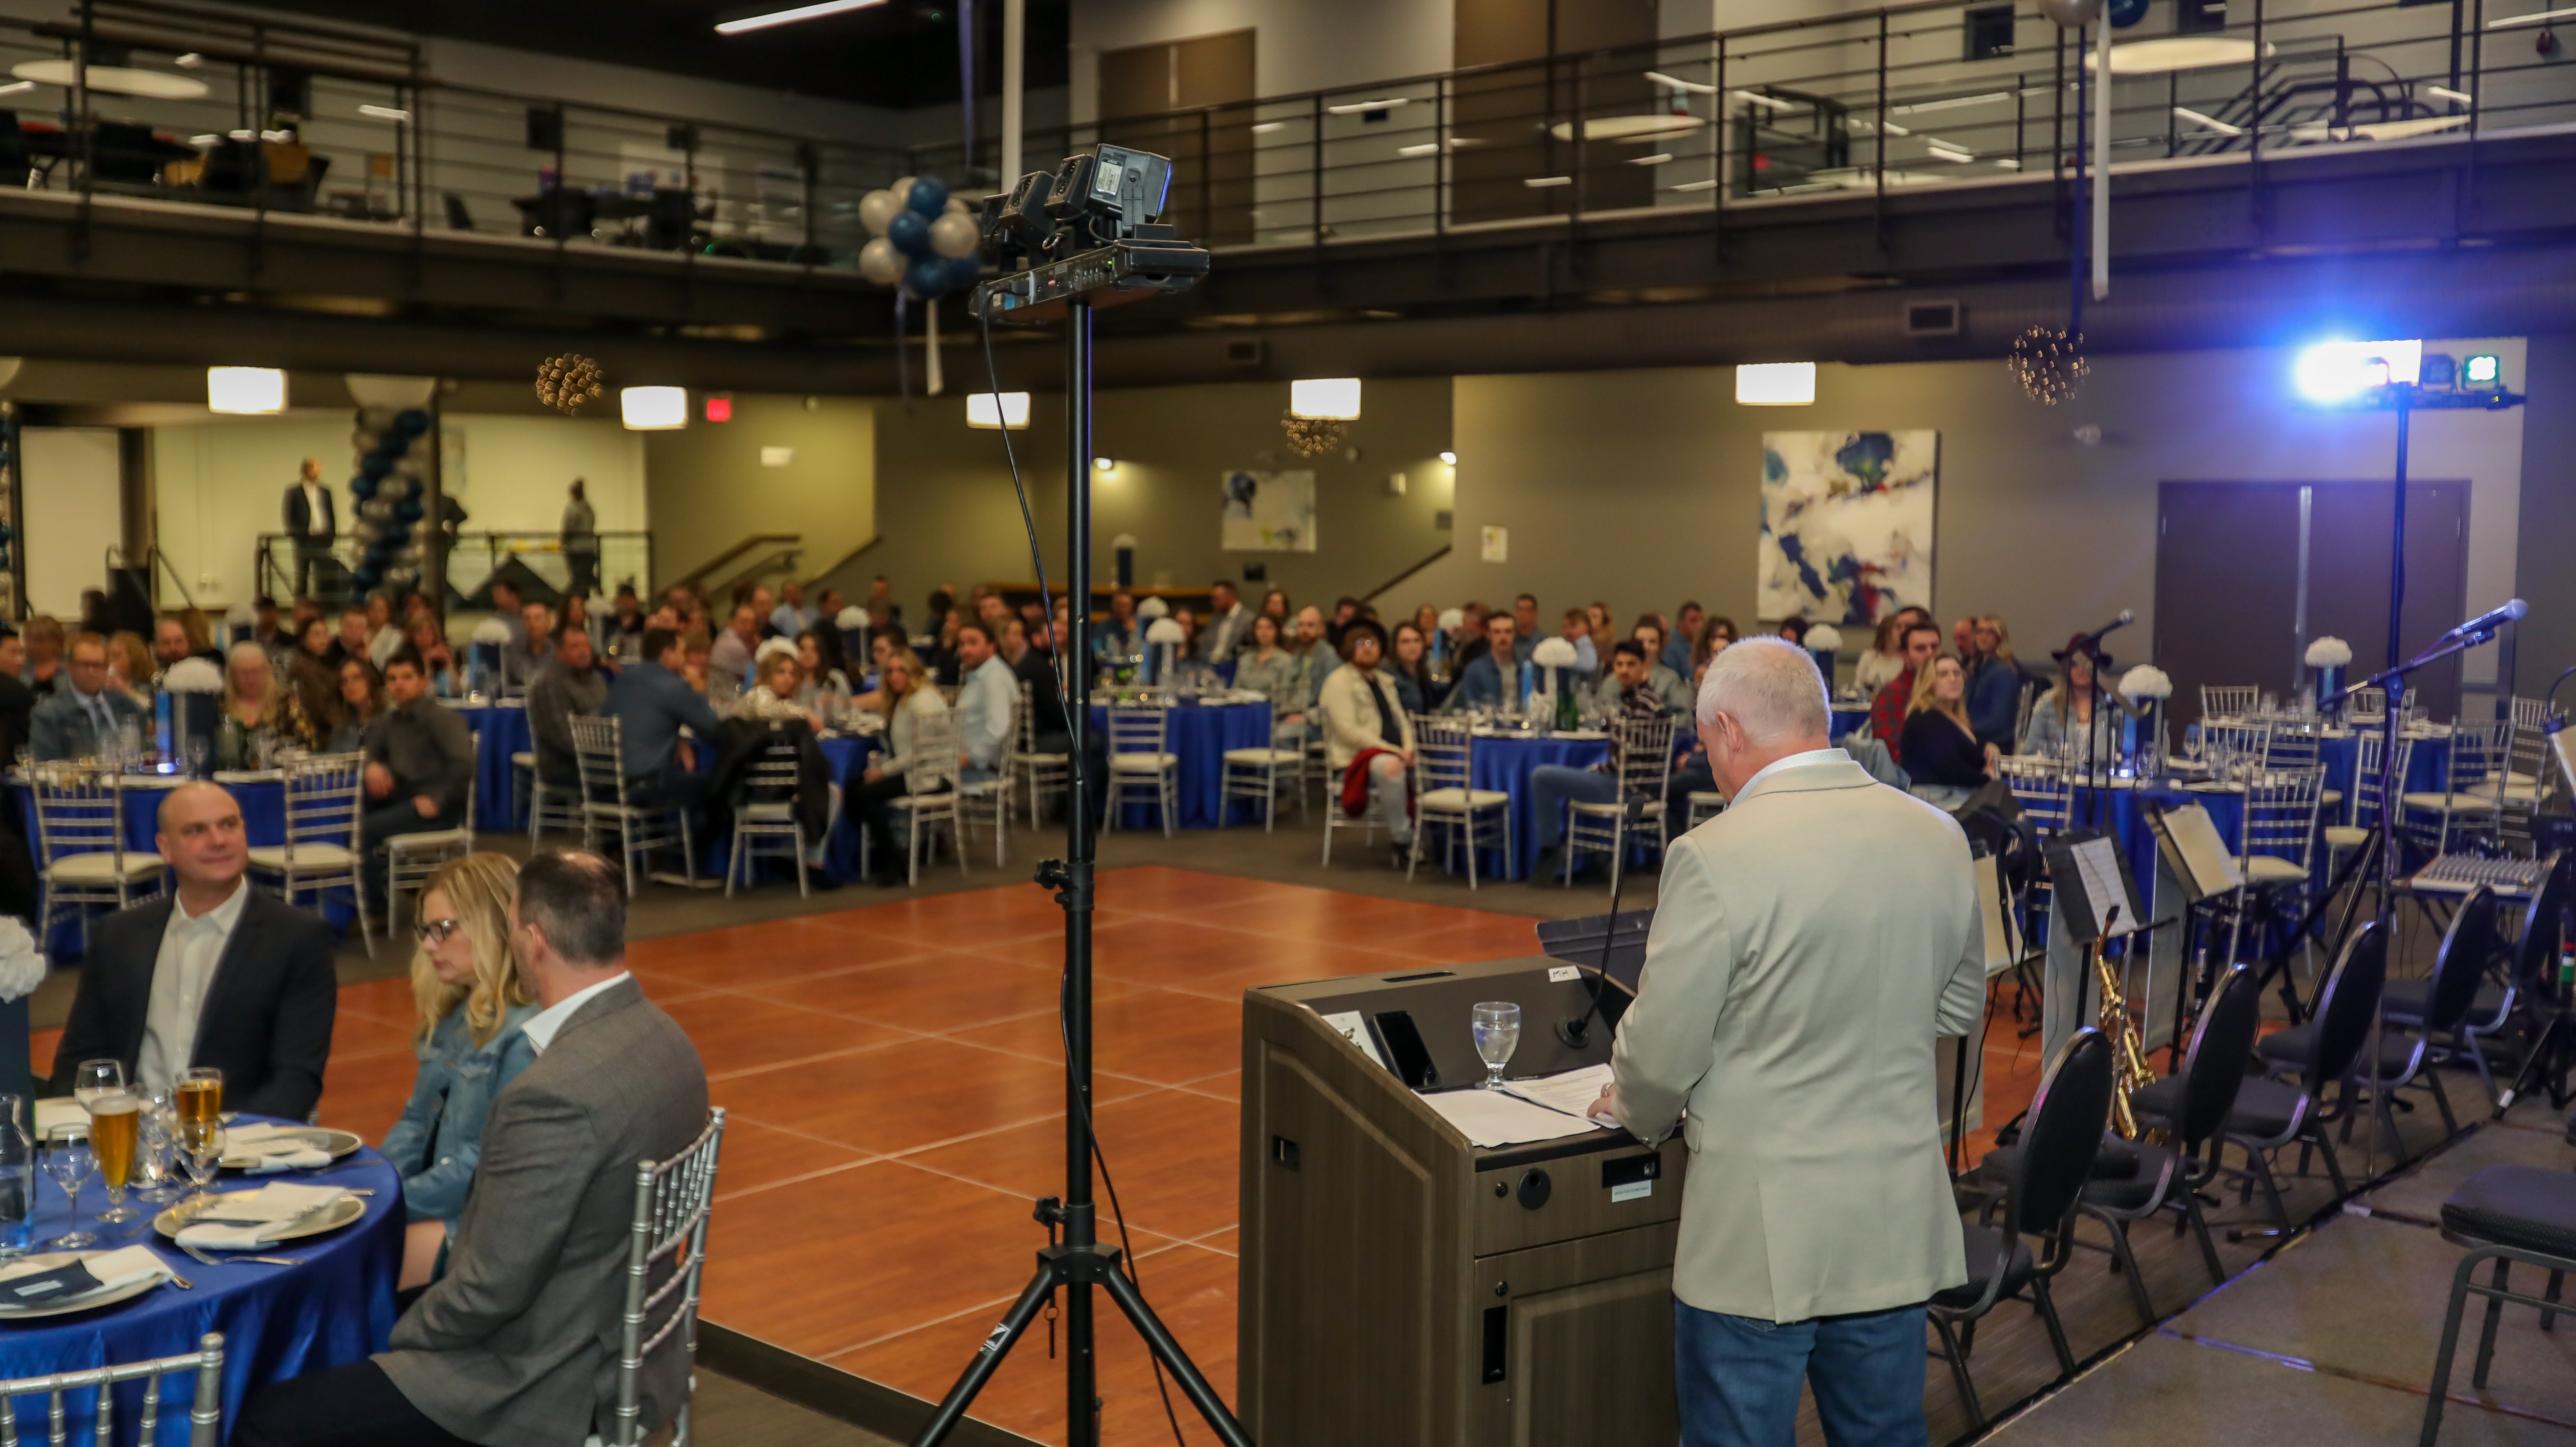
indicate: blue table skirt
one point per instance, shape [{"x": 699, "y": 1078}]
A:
[
  {"x": 1200, "y": 735},
  {"x": 2427, "y": 763},
  {"x": 1506, "y": 764},
  {"x": 1850, "y": 720},
  {"x": 277, "y": 1321},
  {"x": 502, "y": 729}
]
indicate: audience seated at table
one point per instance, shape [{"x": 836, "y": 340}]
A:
[
  {"x": 652, "y": 701},
  {"x": 773, "y": 695},
  {"x": 17, "y": 700},
  {"x": 570, "y": 683},
  {"x": 351, "y": 641},
  {"x": 1668, "y": 685},
  {"x": 1266, "y": 668},
  {"x": 1118, "y": 638},
  {"x": 1409, "y": 670},
  {"x": 1626, "y": 692},
  {"x": 1368, "y": 737},
  {"x": 1576, "y": 628},
  {"x": 789, "y": 619},
  {"x": 1482, "y": 683},
  {"x": 516, "y": 1342},
  {"x": 1312, "y": 660},
  {"x": 1941, "y": 750},
  {"x": 1887, "y": 713},
  {"x": 420, "y": 763},
  {"x": 1716, "y": 631},
  {"x": 2061, "y": 719},
  {"x": 362, "y": 698},
  {"x": 259, "y": 716},
  {"x": 218, "y": 975},
  {"x": 309, "y": 667},
  {"x": 77, "y": 720},
  {"x": 729, "y": 652},
  {"x": 44, "y": 665},
  {"x": 819, "y": 671},
  {"x": 530, "y": 645},
  {"x": 1995, "y": 683},
  {"x": 1049, "y": 731},
  {"x": 624, "y": 627},
  {"x": 1228, "y": 625},
  {"x": 1880, "y": 663},
  {"x": 984, "y": 704},
  {"x": 472, "y": 1003},
  {"x": 384, "y": 631},
  {"x": 170, "y": 644},
  {"x": 905, "y": 696},
  {"x": 130, "y": 669},
  {"x": 1681, "y": 638}
]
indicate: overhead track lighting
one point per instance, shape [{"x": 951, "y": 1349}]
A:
[{"x": 764, "y": 19}]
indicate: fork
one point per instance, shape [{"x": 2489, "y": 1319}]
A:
[{"x": 201, "y": 1257}]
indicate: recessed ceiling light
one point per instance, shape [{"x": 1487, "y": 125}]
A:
[{"x": 763, "y": 19}]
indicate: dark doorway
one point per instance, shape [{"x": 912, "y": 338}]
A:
[
  {"x": 1517, "y": 123},
  {"x": 2248, "y": 572},
  {"x": 1190, "y": 100}
]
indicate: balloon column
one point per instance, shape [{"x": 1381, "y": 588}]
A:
[
  {"x": 920, "y": 236},
  {"x": 392, "y": 489}
]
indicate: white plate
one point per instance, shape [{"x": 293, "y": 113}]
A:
[
  {"x": 50, "y": 1260},
  {"x": 330, "y": 1218},
  {"x": 339, "y": 1143},
  {"x": 1579, "y": 736}
]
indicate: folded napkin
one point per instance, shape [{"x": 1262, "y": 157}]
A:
[
  {"x": 54, "y": 1110},
  {"x": 248, "y": 1220},
  {"x": 26, "y": 1286},
  {"x": 266, "y": 1148}
]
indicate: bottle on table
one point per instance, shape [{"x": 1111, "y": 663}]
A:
[{"x": 17, "y": 1180}]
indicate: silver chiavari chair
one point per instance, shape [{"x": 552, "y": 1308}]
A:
[
  {"x": 2361, "y": 807},
  {"x": 410, "y": 859},
  {"x": 2044, "y": 788},
  {"x": 1043, "y": 774},
  {"x": 81, "y": 858},
  {"x": 1141, "y": 765},
  {"x": 1256, "y": 773},
  {"x": 673, "y": 1200},
  {"x": 1643, "y": 752},
  {"x": 608, "y": 806},
  {"x": 325, "y": 794},
  {"x": 929, "y": 802},
  {"x": 205, "y": 1408},
  {"x": 764, "y": 813},
  {"x": 1443, "y": 752},
  {"x": 2228, "y": 702},
  {"x": 2467, "y": 806}
]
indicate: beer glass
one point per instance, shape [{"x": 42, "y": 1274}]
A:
[
  {"x": 114, "y": 1120},
  {"x": 199, "y": 1098}
]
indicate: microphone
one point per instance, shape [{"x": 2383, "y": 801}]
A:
[
  {"x": 2085, "y": 641},
  {"x": 2511, "y": 612}
]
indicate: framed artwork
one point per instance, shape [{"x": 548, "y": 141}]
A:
[
  {"x": 1846, "y": 524},
  {"x": 1267, "y": 512}
]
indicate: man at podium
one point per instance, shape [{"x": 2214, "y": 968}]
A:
[{"x": 1785, "y": 1021}]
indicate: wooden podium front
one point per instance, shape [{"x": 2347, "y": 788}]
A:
[{"x": 1401, "y": 1287}]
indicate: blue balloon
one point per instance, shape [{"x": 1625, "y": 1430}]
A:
[
  {"x": 409, "y": 510},
  {"x": 362, "y": 487},
  {"x": 964, "y": 272},
  {"x": 928, "y": 197},
  {"x": 927, "y": 277},
  {"x": 375, "y": 464},
  {"x": 909, "y": 233},
  {"x": 365, "y": 578},
  {"x": 397, "y": 534},
  {"x": 411, "y": 421}
]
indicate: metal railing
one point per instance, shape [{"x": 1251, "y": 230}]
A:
[
  {"x": 473, "y": 560},
  {"x": 345, "y": 124}
]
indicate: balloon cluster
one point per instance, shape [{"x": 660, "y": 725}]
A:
[
  {"x": 392, "y": 489},
  {"x": 920, "y": 236}
]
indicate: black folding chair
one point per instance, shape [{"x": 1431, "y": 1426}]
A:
[
  {"x": 2502, "y": 1214},
  {"x": 2060, "y": 1137}
]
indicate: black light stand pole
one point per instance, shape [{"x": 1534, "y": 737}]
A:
[{"x": 1081, "y": 1262}]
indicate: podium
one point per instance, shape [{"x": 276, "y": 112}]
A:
[{"x": 1401, "y": 1287}]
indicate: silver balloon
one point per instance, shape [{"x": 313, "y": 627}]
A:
[
  {"x": 394, "y": 488},
  {"x": 955, "y": 234},
  {"x": 376, "y": 510},
  {"x": 877, "y": 208},
  {"x": 879, "y": 262},
  {"x": 2071, "y": 13},
  {"x": 412, "y": 465}
]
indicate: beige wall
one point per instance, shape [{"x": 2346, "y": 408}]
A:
[
  {"x": 946, "y": 509},
  {"x": 1642, "y": 488},
  {"x": 74, "y": 514},
  {"x": 708, "y": 489}
]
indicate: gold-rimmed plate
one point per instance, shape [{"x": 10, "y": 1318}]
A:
[
  {"x": 330, "y": 1218},
  {"x": 52, "y": 1259},
  {"x": 339, "y": 1144}
]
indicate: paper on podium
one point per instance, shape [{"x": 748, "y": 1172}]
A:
[
  {"x": 1572, "y": 1092},
  {"x": 1491, "y": 1118}
]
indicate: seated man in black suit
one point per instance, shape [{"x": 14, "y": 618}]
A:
[{"x": 222, "y": 975}]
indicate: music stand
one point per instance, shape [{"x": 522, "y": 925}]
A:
[{"x": 2190, "y": 853}]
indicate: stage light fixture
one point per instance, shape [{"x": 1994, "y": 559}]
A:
[
  {"x": 2437, "y": 372},
  {"x": 2339, "y": 371},
  {"x": 654, "y": 409},
  {"x": 245, "y": 391},
  {"x": 995, "y": 411},
  {"x": 763, "y": 19},
  {"x": 1775, "y": 384},
  {"x": 2485, "y": 370},
  {"x": 1325, "y": 398}
]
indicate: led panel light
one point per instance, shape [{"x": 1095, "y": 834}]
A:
[
  {"x": 1775, "y": 384},
  {"x": 1337, "y": 398},
  {"x": 2483, "y": 370},
  {"x": 2338, "y": 371},
  {"x": 245, "y": 391},
  {"x": 995, "y": 411},
  {"x": 653, "y": 409},
  {"x": 762, "y": 20}
]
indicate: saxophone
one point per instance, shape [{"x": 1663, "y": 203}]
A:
[{"x": 2129, "y": 1058}]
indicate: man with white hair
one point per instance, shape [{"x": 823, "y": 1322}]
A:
[{"x": 1793, "y": 1017}]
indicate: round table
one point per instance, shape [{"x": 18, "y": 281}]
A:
[
  {"x": 1199, "y": 734},
  {"x": 501, "y": 730},
  {"x": 1506, "y": 761},
  {"x": 277, "y": 1321},
  {"x": 1850, "y": 719}
]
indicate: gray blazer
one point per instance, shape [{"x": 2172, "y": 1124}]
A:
[
  {"x": 518, "y": 1341},
  {"x": 1808, "y": 944}
]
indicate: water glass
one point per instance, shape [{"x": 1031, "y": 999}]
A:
[
  {"x": 1497, "y": 1027},
  {"x": 95, "y": 1078},
  {"x": 68, "y": 1161}
]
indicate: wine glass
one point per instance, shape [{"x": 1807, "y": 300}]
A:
[
  {"x": 1497, "y": 1026},
  {"x": 68, "y": 1161},
  {"x": 95, "y": 1078}
]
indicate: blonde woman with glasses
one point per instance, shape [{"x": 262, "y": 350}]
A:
[{"x": 465, "y": 981}]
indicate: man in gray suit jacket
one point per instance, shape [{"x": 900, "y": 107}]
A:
[
  {"x": 1808, "y": 945},
  {"x": 518, "y": 1342}
]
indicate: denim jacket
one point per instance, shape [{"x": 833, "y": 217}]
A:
[{"x": 449, "y": 1098}]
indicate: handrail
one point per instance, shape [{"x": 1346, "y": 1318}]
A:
[
  {"x": 1371, "y": 595},
  {"x": 847, "y": 558},
  {"x": 699, "y": 574},
  {"x": 114, "y": 558}
]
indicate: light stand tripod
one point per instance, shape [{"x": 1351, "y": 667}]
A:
[{"x": 1123, "y": 269}]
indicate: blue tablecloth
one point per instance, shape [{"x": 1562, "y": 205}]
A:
[
  {"x": 1200, "y": 735},
  {"x": 263, "y": 807},
  {"x": 2427, "y": 764},
  {"x": 1849, "y": 720},
  {"x": 277, "y": 1321},
  {"x": 502, "y": 730},
  {"x": 1506, "y": 763}
]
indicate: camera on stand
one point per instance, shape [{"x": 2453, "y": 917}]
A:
[{"x": 1086, "y": 229}]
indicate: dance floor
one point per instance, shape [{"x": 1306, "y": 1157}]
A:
[{"x": 894, "y": 1080}]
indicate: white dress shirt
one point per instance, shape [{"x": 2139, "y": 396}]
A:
[
  {"x": 986, "y": 710},
  {"x": 191, "y": 947},
  {"x": 313, "y": 506},
  {"x": 541, "y": 1026},
  {"x": 1795, "y": 761}
]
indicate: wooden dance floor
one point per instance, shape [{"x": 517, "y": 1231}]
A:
[{"x": 894, "y": 1080}]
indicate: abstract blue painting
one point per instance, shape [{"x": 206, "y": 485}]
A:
[{"x": 1846, "y": 524}]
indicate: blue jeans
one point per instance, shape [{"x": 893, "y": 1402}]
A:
[
  {"x": 1737, "y": 1377},
  {"x": 1552, "y": 785}
]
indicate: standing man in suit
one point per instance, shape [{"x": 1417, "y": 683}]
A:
[
  {"x": 80, "y": 721},
  {"x": 517, "y": 1342},
  {"x": 1794, "y": 1019},
  {"x": 218, "y": 975},
  {"x": 311, "y": 520}
]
